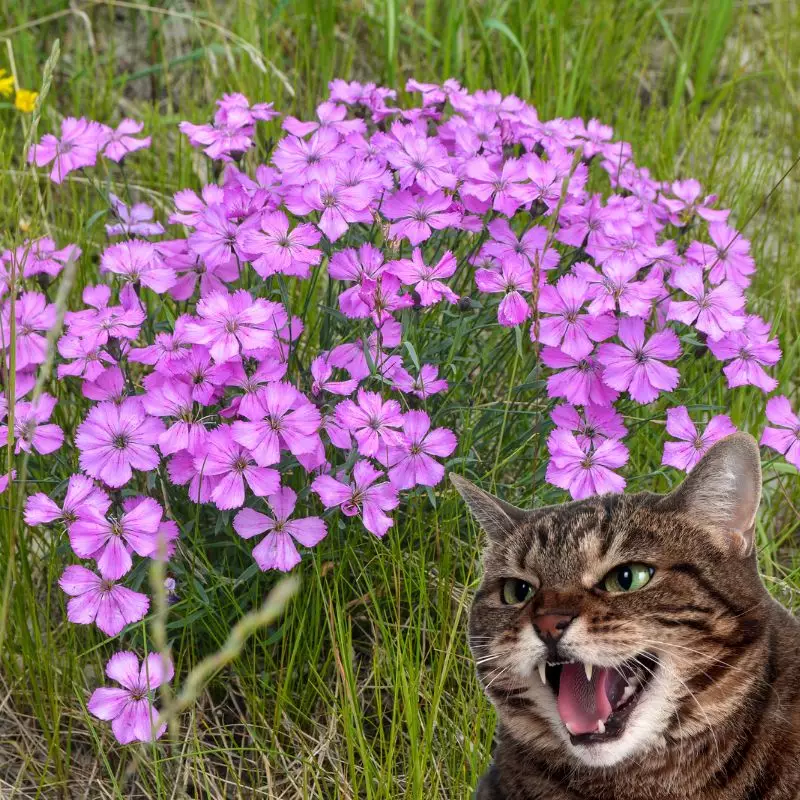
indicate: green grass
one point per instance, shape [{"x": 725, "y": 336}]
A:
[{"x": 365, "y": 688}]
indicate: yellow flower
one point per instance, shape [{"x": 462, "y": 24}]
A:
[
  {"x": 6, "y": 83},
  {"x": 25, "y": 100}
]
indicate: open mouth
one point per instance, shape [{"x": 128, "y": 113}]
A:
[{"x": 594, "y": 703}]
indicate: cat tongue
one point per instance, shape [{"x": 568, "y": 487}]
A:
[{"x": 582, "y": 702}]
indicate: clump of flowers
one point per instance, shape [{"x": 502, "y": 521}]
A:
[{"x": 202, "y": 379}]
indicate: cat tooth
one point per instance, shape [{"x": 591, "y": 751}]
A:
[
  {"x": 542, "y": 674},
  {"x": 601, "y": 728},
  {"x": 628, "y": 693},
  {"x": 587, "y": 668},
  {"x": 569, "y": 729}
]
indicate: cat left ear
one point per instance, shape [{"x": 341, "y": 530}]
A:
[
  {"x": 723, "y": 491},
  {"x": 496, "y": 517}
]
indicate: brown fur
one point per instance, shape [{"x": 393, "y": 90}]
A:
[{"x": 733, "y": 731}]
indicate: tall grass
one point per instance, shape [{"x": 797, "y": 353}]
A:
[{"x": 365, "y": 688}]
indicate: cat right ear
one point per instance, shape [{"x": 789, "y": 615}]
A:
[
  {"x": 496, "y": 517},
  {"x": 723, "y": 491}
]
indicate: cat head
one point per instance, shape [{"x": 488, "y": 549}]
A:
[{"x": 611, "y": 625}]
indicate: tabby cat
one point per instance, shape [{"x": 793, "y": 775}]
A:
[{"x": 630, "y": 648}]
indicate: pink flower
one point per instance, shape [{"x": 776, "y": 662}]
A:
[
  {"x": 584, "y": 474},
  {"x": 109, "y": 541},
  {"x": 426, "y": 279},
  {"x": 232, "y": 130},
  {"x": 330, "y": 115},
  {"x": 113, "y": 439},
  {"x": 529, "y": 249},
  {"x": 592, "y": 424},
  {"x": 173, "y": 398},
  {"x": 786, "y": 437},
  {"x": 412, "y": 463},
  {"x": 339, "y": 203},
  {"x": 88, "y": 360},
  {"x": 233, "y": 324},
  {"x": 34, "y": 317},
  {"x": 427, "y": 383},
  {"x": 138, "y": 262},
  {"x": 615, "y": 287},
  {"x": 82, "y": 497},
  {"x": 545, "y": 182},
  {"x": 693, "y": 446},
  {"x": 214, "y": 240},
  {"x": 134, "y": 221},
  {"x": 303, "y": 161},
  {"x": 321, "y": 372},
  {"x": 512, "y": 278},
  {"x": 382, "y": 297},
  {"x": 225, "y": 458},
  {"x": 415, "y": 215},
  {"x": 685, "y": 204},
  {"x": 361, "y": 497},
  {"x": 373, "y": 422},
  {"x": 714, "y": 311},
  {"x": 130, "y": 709},
  {"x": 78, "y": 146},
  {"x": 102, "y": 321},
  {"x": 581, "y": 381},
  {"x": 40, "y": 257},
  {"x": 31, "y": 429},
  {"x": 506, "y": 185},
  {"x": 121, "y": 141},
  {"x": 419, "y": 159},
  {"x": 574, "y": 332},
  {"x": 282, "y": 419},
  {"x": 170, "y": 350},
  {"x": 637, "y": 366},
  {"x": 596, "y": 135},
  {"x": 730, "y": 258},
  {"x": 95, "y": 599},
  {"x": 748, "y": 352},
  {"x": 366, "y": 263},
  {"x": 277, "y": 549},
  {"x": 275, "y": 249}
]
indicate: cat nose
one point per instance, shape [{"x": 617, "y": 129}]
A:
[{"x": 550, "y": 627}]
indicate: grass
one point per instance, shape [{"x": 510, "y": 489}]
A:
[{"x": 365, "y": 688}]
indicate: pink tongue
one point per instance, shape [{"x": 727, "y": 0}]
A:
[{"x": 581, "y": 703}]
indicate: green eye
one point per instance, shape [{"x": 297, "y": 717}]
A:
[
  {"x": 516, "y": 592},
  {"x": 627, "y": 578}
]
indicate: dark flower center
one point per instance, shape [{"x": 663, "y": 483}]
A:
[{"x": 120, "y": 441}]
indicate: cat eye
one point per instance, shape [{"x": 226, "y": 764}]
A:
[
  {"x": 516, "y": 592},
  {"x": 627, "y": 578}
]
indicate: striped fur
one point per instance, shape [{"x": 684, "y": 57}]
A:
[{"x": 723, "y": 720}]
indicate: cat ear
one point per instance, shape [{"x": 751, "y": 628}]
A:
[
  {"x": 723, "y": 491},
  {"x": 495, "y": 516}
]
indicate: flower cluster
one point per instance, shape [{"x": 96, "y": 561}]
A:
[{"x": 201, "y": 373}]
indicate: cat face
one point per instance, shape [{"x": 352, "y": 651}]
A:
[{"x": 612, "y": 625}]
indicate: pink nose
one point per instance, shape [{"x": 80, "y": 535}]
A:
[{"x": 552, "y": 626}]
